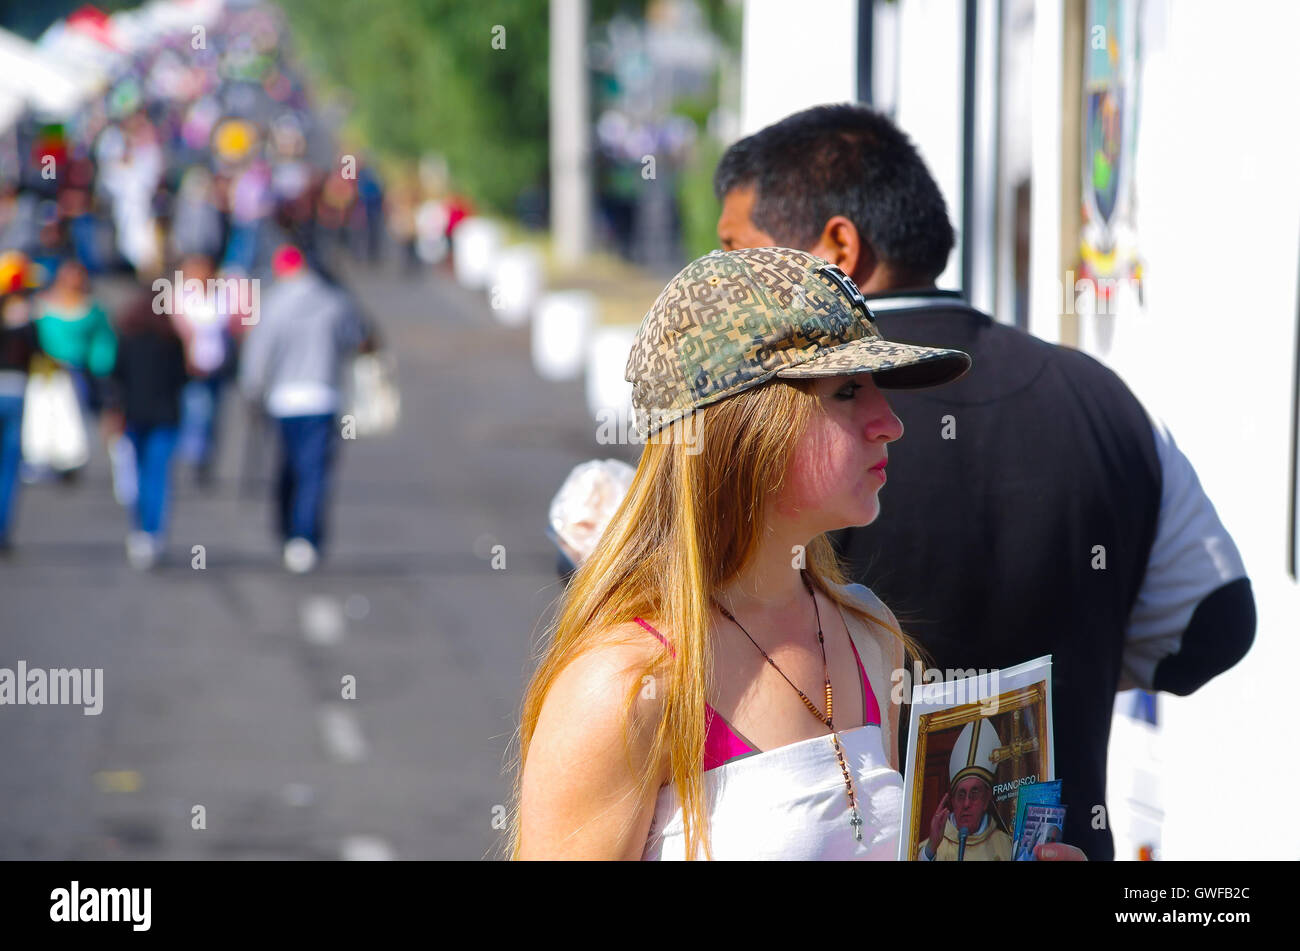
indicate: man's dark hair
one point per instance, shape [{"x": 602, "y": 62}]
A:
[{"x": 843, "y": 160}]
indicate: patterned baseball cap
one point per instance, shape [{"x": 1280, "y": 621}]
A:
[{"x": 732, "y": 320}]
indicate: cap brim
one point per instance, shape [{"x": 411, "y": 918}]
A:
[{"x": 895, "y": 366}]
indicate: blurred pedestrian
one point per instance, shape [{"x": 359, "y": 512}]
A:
[
  {"x": 196, "y": 224},
  {"x": 18, "y": 344},
  {"x": 370, "y": 190},
  {"x": 403, "y": 225},
  {"x": 76, "y": 208},
  {"x": 250, "y": 204},
  {"x": 74, "y": 330},
  {"x": 292, "y": 367},
  {"x": 202, "y": 319},
  {"x": 131, "y": 164},
  {"x": 148, "y": 376}
]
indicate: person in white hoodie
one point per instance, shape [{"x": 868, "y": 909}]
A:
[{"x": 292, "y": 365}]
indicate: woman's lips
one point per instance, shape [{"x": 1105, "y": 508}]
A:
[{"x": 879, "y": 469}]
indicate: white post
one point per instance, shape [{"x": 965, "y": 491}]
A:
[{"x": 570, "y": 149}]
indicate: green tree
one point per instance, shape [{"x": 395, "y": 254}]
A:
[{"x": 424, "y": 75}]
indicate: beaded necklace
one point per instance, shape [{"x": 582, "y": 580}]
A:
[{"x": 855, "y": 817}]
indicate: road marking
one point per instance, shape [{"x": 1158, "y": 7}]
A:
[
  {"x": 118, "y": 780},
  {"x": 342, "y": 734},
  {"x": 366, "y": 848},
  {"x": 321, "y": 619}
]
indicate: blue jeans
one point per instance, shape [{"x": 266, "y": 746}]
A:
[
  {"x": 308, "y": 445},
  {"x": 153, "y": 454},
  {"x": 200, "y": 400},
  {"x": 11, "y": 453}
]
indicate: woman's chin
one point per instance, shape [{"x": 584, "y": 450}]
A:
[{"x": 863, "y": 517}]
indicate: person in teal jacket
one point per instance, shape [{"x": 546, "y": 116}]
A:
[{"x": 74, "y": 330}]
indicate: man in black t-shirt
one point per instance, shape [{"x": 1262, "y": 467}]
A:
[{"x": 1033, "y": 507}]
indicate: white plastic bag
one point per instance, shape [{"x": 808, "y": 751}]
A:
[
  {"x": 374, "y": 401},
  {"x": 54, "y": 431}
]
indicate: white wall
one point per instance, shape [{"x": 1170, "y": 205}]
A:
[
  {"x": 1045, "y": 214},
  {"x": 1212, "y": 351},
  {"x": 930, "y": 51},
  {"x": 796, "y": 55},
  {"x": 790, "y": 61}
]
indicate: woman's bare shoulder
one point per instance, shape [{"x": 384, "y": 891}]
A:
[
  {"x": 581, "y": 787},
  {"x": 602, "y": 676}
]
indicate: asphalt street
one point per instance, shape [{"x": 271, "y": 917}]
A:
[{"x": 224, "y": 732}]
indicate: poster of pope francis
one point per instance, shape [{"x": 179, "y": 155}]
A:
[{"x": 970, "y": 749}]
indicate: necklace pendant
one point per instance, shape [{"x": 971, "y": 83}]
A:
[{"x": 856, "y": 822}]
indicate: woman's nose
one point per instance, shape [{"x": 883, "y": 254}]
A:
[{"x": 882, "y": 424}]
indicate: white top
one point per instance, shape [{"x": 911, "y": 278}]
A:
[
  {"x": 790, "y": 803},
  {"x": 301, "y": 398}
]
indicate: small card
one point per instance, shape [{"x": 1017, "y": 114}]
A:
[
  {"x": 1046, "y": 793},
  {"x": 1042, "y": 824}
]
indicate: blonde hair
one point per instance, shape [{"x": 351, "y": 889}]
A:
[{"x": 690, "y": 522}]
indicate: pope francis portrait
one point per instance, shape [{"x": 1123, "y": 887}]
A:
[{"x": 965, "y": 825}]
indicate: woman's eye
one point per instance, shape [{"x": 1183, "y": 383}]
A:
[{"x": 848, "y": 392}]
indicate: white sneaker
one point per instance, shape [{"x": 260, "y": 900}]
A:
[
  {"x": 141, "y": 550},
  {"x": 299, "y": 555}
]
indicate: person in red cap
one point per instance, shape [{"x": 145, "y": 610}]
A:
[
  {"x": 286, "y": 260},
  {"x": 292, "y": 366}
]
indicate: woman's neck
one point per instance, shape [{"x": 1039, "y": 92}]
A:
[{"x": 770, "y": 595}]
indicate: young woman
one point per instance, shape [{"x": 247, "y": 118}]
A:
[{"x": 714, "y": 688}]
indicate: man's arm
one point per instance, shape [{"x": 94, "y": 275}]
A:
[
  {"x": 1195, "y": 613},
  {"x": 1221, "y": 631},
  {"x": 357, "y": 332},
  {"x": 255, "y": 358}
]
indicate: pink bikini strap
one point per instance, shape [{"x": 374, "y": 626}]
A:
[{"x": 657, "y": 634}]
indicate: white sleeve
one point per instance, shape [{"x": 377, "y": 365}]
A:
[{"x": 1192, "y": 556}]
